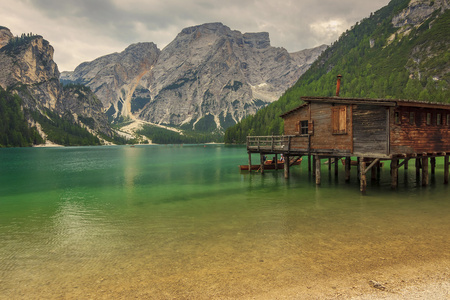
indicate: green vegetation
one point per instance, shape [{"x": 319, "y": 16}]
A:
[
  {"x": 16, "y": 42},
  {"x": 372, "y": 67},
  {"x": 63, "y": 131},
  {"x": 206, "y": 124},
  {"x": 160, "y": 135},
  {"x": 14, "y": 129}
]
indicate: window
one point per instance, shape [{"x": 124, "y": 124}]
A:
[
  {"x": 397, "y": 117},
  {"x": 439, "y": 119},
  {"x": 339, "y": 119},
  {"x": 304, "y": 127},
  {"x": 412, "y": 118},
  {"x": 428, "y": 118}
]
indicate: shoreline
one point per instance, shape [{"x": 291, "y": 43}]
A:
[{"x": 425, "y": 281}]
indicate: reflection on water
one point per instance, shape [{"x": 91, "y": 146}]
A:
[{"x": 182, "y": 222}]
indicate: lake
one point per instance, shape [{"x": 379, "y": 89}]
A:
[{"x": 181, "y": 221}]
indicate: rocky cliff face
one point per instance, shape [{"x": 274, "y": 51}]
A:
[
  {"x": 209, "y": 73},
  {"x": 28, "y": 70},
  {"x": 114, "y": 77},
  {"x": 418, "y": 11}
]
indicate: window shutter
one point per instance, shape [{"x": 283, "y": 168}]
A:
[
  {"x": 311, "y": 127},
  {"x": 343, "y": 119},
  {"x": 335, "y": 119}
]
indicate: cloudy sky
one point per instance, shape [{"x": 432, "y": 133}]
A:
[{"x": 82, "y": 30}]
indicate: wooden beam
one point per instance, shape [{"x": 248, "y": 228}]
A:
[
  {"x": 276, "y": 162},
  {"x": 362, "y": 176},
  {"x": 336, "y": 166},
  {"x": 318, "y": 178},
  {"x": 261, "y": 159},
  {"x": 425, "y": 178},
  {"x": 249, "y": 162},
  {"x": 394, "y": 173},
  {"x": 418, "y": 167},
  {"x": 433, "y": 165},
  {"x": 404, "y": 163},
  {"x": 347, "y": 168},
  {"x": 329, "y": 164},
  {"x": 286, "y": 166},
  {"x": 446, "y": 169}
]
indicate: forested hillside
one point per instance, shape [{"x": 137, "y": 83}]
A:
[
  {"x": 14, "y": 129},
  {"x": 376, "y": 60}
]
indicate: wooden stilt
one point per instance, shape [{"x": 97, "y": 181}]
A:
[
  {"x": 318, "y": 178},
  {"x": 394, "y": 173},
  {"x": 314, "y": 167},
  {"x": 286, "y": 166},
  {"x": 261, "y": 167},
  {"x": 347, "y": 168},
  {"x": 425, "y": 178},
  {"x": 373, "y": 172},
  {"x": 336, "y": 166},
  {"x": 249, "y": 162},
  {"x": 433, "y": 165},
  {"x": 329, "y": 164},
  {"x": 276, "y": 162},
  {"x": 362, "y": 175},
  {"x": 378, "y": 171},
  {"x": 418, "y": 167},
  {"x": 405, "y": 165},
  {"x": 446, "y": 170},
  {"x": 358, "y": 167}
]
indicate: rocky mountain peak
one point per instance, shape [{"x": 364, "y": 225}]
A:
[
  {"x": 208, "y": 74},
  {"x": 5, "y": 36}
]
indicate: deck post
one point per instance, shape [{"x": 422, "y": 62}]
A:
[
  {"x": 329, "y": 164},
  {"x": 261, "y": 167},
  {"x": 406, "y": 163},
  {"x": 433, "y": 165},
  {"x": 373, "y": 172},
  {"x": 336, "y": 166},
  {"x": 347, "y": 168},
  {"x": 394, "y": 173},
  {"x": 425, "y": 171},
  {"x": 317, "y": 159},
  {"x": 446, "y": 164},
  {"x": 417, "y": 167},
  {"x": 358, "y": 167},
  {"x": 249, "y": 162},
  {"x": 286, "y": 166},
  {"x": 362, "y": 176},
  {"x": 309, "y": 163},
  {"x": 314, "y": 167},
  {"x": 276, "y": 162}
]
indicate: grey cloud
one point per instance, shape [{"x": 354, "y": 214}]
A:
[{"x": 124, "y": 22}]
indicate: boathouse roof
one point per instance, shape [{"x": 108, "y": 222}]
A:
[{"x": 370, "y": 101}]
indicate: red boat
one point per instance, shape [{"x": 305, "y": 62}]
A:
[{"x": 270, "y": 165}]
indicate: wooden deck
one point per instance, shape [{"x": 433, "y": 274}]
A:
[{"x": 291, "y": 145}]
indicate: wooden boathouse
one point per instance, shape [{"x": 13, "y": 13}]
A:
[{"x": 372, "y": 130}]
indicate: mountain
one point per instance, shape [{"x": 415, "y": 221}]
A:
[
  {"x": 400, "y": 51},
  {"x": 29, "y": 78},
  {"x": 209, "y": 77}
]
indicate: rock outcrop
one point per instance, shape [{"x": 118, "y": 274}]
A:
[
  {"x": 28, "y": 70},
  {"x": 418, "y": 11},
  {"x": 208, "y": 72}
]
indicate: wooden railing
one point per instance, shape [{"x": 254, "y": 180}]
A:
[{"x": 269, "y": 143}]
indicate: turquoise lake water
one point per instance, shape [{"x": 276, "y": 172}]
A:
[{"x": 184, "y": 222}]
